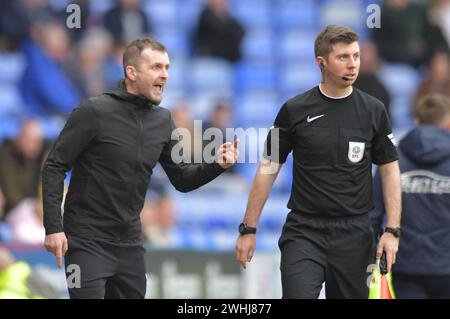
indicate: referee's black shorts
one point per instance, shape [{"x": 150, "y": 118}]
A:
[
  {"x": 336, "y": 250},
  {"x": 107, "y": 269}
]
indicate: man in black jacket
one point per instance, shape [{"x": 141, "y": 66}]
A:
[{"x": 112, "y": 142}]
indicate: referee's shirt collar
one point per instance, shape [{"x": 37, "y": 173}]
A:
[{"x": 334, "y": 97}]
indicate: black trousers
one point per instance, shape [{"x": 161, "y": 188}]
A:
[
  {"x": 334, "y": 250},
  {"x": 106, "y": 269}
]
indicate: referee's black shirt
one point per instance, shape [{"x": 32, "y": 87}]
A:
[{"x": 334, "y": 143}]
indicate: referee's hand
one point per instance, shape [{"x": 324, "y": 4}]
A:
[
  {"x": 245, "y": 248},
  {"x": 389, "y": 244},
  {"x": 56, "y": 244}
]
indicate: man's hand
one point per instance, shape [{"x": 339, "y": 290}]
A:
[
  {"x": 245, "y": 248},
  {"x": 227, "y": 154},
  {"x": 56, "y": 244},
  {"x": 389, "y": 244}
]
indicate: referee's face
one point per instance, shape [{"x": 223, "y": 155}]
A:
[
  {"x": 152, "y": 74},
  {"x": 343, "y": 64}
]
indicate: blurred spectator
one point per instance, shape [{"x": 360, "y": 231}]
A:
[
  {"x": 440, "y": 16},
  {"x": 368, "y": 80},
  {"x": 20, "y": 164},
  {"x": 220, "y": 118},
  {"x": 438, "y": 78},
  {"x": 26, "y": 222},
  {"x": 126, "y": 21},
  {"x": 14, "y": 24},
  {"x": 422, "y": 269},
  {"x": 89, "y": 71},
  {"x": 19, "y": 281},
  {"x": 190, "y": 140},
  {"x": 218, "y": 34},
  {"x": 158, "y": 220},
  {"x": 46, "y": 87},
  {"x": 406, "y": 34}
]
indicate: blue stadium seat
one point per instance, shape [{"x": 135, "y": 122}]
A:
[
  {"x": 10, "y": 127},
  {"x": 296, "y": 13},
  {"x": 257, "y": 46},
  {"x": 161, "y": 13},
  {"x": 212, "y": 75},
  {"x": 400, "y": 111},
  {"x": 174, "y": 40},
  {"x": 179, "y": 67},
  {"x": 252, "y": 13},
  {"x": 250, "y": 76},
  {"x": 298, "y": 78},
  {"x": 256, "y": 108},
  {"x": 350, "y": 13},
  {"x": 11, "y": 102},
  {"x": 399, "y": 79},
  {"x": 12, "y": 66},
  {"x": 51, "y": 127},
  {"x": 188, "y": 14},
  {"x": 296, "y": 45},
  {"x": 100, "y": 7}
]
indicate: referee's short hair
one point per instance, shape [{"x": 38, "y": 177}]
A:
[
  {"x": 433, "y": 109},
  {"x": 330, "y": 35},
  {"x": 134, "y": 49}
]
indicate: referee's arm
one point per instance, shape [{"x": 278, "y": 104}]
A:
[
  {"x": 262, "y": 185},
  {"x": 392, "y": 194}
]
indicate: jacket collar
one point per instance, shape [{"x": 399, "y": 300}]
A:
[{"x": 121, "y": 93}]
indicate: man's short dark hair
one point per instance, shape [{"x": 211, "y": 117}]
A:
[
  {"x": 330, "y": 35},
  {"x": 134, "y": 49},
  {"x": 433, "y": 109}
]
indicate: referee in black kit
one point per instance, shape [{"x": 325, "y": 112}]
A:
[
  {"x": 335, "y": 132},
  {"x": 112, "y": 142}
]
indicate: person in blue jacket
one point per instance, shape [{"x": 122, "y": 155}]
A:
[{"x": 422, "y": 269}]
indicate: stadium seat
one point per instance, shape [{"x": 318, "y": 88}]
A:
[
  {"x": 250, "y": 76},
  {"x": 174, "y": 40},
  {"x": 10, "y": 127},
  {"x": 296, "y": 14},
  {"x": 256, "y": 108},
  {"x": 296, "y": 45},
  {"x": 297, "y": 78},
  {"x": 211, "y": 75},
  {"x": 161, "y": 13},
  {"x": 350, "y": 13},
  {"x": 188, "y": 14},
  {"x": 12, "y": 66},
  {"x": 257, "y": 46},
  {"x": 253, "y": 13},
  {"x": 11, "y": 102},
  {"x": 399, "y": 79},
  {"x": 100, "y": 7}
]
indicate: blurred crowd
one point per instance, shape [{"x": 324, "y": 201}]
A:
[{"x": 62, "y": 66}]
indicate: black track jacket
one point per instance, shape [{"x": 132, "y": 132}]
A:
[{"x": 112, "y": 142}]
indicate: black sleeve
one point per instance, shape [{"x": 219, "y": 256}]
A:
[
  {"x": 383, "y": 144},
  {"x": 186, "y": 177},
  {"x": 279, "y": 143},
  {"x": 78, "y": 132}
]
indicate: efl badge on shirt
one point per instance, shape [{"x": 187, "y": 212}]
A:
[{"x": 355, "y": 151}]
